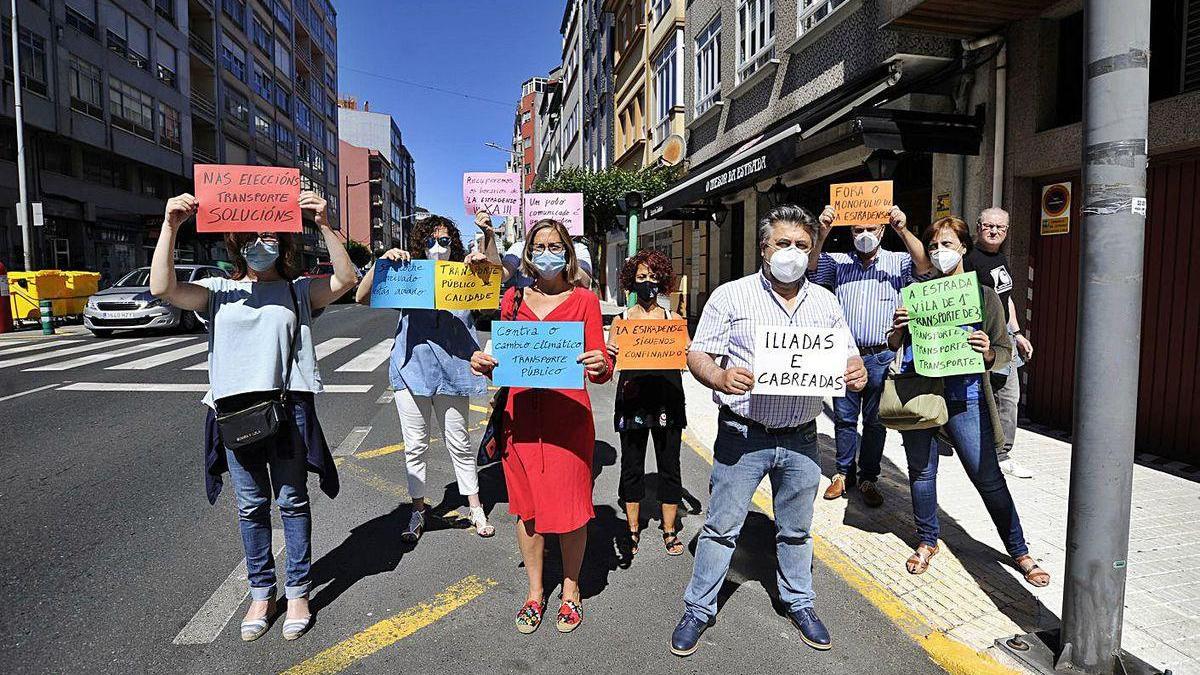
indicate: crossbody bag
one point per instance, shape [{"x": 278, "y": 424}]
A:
[{"x": 261, "y": 420}]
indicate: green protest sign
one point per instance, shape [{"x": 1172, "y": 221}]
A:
[{"x": 938, "y": 313}]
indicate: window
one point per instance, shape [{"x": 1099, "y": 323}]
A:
[
  {"x": 331, "y": 108},
  {"x": 283, "y": 98},
  {"x": 1175, "y": 45},
  {"x": 260, "y": 32},
  {"x": 262, "y": 127},
  {"x": 659, "y": 9},
  {"x": 139, "y": 44},
  {"x": 285, "y": 140},
  {"x": 262, "y": 80},
  {"x": 756, "y": 36},
  {"x": 282, "y": 16},
  {"x": 56, "y": 157},
  {"x": 233, "y": 57},
  {"x": 168, "y": 127},
  {"x": 33, "y": 59},
  {"x": 303, "y": 117},
  {"x": 331, "y": 142},
  {"x": 283, "y": 59},
  {"x": 81, "y": 15},
  {"x": 105, "y": 170},
  {"x": 166, "y": 62},
  {"x": 236, "y": 10},
  {"x": 330, "y": 77},
  {"x": 813, "y": 12},
  {"x": 125, "y": 36},
  {"x": 165, "y": 9},
  {"x": 238, "y": 109},
  {"x": 87, "y": 88},
  {"x": 131, "y": 108},
  {"x": 528, "y": 143},
  {"x": 708, "y": 67},
  {"x": 525, "y": 117},
  {"x": 667, "y": 86}
]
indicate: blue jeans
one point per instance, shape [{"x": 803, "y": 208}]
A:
[
  {"x": 257, "y": 474},
  {"x": 868, "y": 449},
  {"x": 741, "y": 458},
  {"x": 970, "y": 427}
]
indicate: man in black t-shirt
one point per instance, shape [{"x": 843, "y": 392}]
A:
[{"x": 989, "y": 261}]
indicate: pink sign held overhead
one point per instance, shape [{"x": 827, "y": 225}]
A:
[
  {"x": 567, "y": 208},
  {"x": 236, "y": 198},
  {"x": 498, "y": 193}
]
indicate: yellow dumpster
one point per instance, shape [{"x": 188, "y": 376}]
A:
[
  {"x": 26, "y": 289},
  {"x": 79, "y": 287}
]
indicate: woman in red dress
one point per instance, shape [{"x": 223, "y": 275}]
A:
[{"x": 548, "y": 433}]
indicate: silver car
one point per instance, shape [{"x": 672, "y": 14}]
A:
[{"x": 128, "y": 304}]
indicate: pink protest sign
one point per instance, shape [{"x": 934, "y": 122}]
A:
[
  {"x": 567, "y": 208},
  {"x": 498, "y": 193},
  {"x": 236, "y": 198}
]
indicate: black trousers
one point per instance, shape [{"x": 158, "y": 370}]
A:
[{"x": 633, "y": 464}]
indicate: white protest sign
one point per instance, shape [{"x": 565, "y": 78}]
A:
[{"x": 796, "y": 361}]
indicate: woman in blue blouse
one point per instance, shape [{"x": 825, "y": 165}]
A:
[
  {"x": 973, "y": 419},
  {"x": 431, "y": 372}
]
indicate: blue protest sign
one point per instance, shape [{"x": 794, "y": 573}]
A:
[
  {"x": 538, "y": 354},
  {"x": 403, "y": 285}
]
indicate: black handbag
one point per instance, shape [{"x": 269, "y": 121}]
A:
[
  {"x": 491, "y": 446},
  {"x": 254, "y": 423}
]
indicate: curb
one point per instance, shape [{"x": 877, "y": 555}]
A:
[{"x": 949, "y": 654}]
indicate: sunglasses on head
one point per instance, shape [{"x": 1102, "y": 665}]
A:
[{"x": 444, "y": 242}]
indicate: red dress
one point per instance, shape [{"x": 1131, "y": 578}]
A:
[{"x": 549, "y": 433}]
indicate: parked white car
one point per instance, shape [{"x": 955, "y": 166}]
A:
[{"x": 128, "y": 304}]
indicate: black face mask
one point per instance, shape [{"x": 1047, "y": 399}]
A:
[{"x": 646, "y": 291}]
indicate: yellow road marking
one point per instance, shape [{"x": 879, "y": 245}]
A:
[
  {"x": 951, "y": 655},
  {"x": 380, "y": 452},
  {"x": 372, "y": 479},
  {"x": 479, "y": 408},
  {"x": 392, "y": 629}
]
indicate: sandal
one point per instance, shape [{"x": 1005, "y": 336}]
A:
[
  {"x": 635, "y": 538},
  {"x": 1034, "y": 575},
  {"x": 918, "y": 562},
  {"x": 530, "y": 616},
  {"x": 480, "y": 521},
  {"x": 570, "y": 615},
  {"x": 671, "y": 541}
]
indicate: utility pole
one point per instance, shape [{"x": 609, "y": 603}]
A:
[
  {"x": 23, "y": 204},
  {"x": 1116, "y": 109}
]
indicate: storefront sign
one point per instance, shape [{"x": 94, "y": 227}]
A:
[
  {"x": 867, "y": 203},
  {"x": 1056, "y": 209},
  {"x": 943, "y": 207},
  {"x": 748, "y": 168}
]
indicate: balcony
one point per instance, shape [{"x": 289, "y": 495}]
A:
[
  {"x": 202, "y": 156},
  {"x": 204, "y": 105},
  {"x": 201, "y": 47},
  {"x": 959, "y": 18}
]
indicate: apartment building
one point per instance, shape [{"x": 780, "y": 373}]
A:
[
  {"x": 570, "y": 135},
  {"x": 378, "y": 181},
  {"x": 523, "y": 159},
  {"x": 597, "y": 122},
  {"x": 547, "y": 121}
]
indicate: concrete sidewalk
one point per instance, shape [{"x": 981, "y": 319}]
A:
[{"x": 971, "y": 592}]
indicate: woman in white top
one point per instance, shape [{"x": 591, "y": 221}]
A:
[{"x": 260, "y": 329}]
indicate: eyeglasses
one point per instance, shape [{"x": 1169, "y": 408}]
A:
[
  {"x": 557, "y": 249},
  {"x": 444, "y": 242},
  {"x": 994, "y": 226}
]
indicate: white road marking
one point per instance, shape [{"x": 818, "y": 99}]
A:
[
  {"x": 386, "y": 397},
  {"x": 95, "y": 358},
  {"x": 186, "y": 387},
  {"x": 370, "y": 359},
  {"x": 220, "y": 607},
  {"x": 30, "y": 391},
  {"x": 324, "y": 349},
  {"x": 35, "y": 346},
  {"x": 352, "y": 441},
  {"x": 87, "y": 347},
  {"x": 160, "y": 359}
]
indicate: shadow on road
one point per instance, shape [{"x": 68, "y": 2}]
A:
[{"x": 372, "y": 548}]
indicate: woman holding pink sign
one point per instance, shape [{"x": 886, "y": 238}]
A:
[
  {"x": 430, "y": 371},
  {"x": 548, "y": 466}
]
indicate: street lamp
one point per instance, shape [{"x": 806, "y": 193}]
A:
[
  {"x": 497, "y": 146},
  {"x": 346, "y": 206}
]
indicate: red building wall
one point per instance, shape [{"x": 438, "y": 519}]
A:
[
  {"x": 354, "y": 167},
  {"x": 528, "y": 153}
]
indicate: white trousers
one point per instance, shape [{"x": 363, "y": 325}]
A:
[{"x": 417, "y": 415}]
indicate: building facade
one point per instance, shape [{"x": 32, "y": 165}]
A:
[
  {"x": 547, "y": 120},
  {"x": 570, "y": 134},
  {"x": 379, "y": 194},
  {"x": 523, "y": 159},
  {"x": 597, "y": 122},
  {"x": 123, "y": 97}
]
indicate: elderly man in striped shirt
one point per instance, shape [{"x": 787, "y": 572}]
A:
[
  {"x": 762, "y": 435},
  {"x": 867, "y": 283}
]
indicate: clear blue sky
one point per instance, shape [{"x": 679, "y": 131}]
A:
[{"x": 483, "y": 48}]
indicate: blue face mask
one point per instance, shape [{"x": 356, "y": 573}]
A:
[
  {"x": 549, "y": 264},
  {"x": 261, "y": 255}
]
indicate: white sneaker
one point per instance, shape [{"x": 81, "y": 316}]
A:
[{"x": 1010, "y": 467}]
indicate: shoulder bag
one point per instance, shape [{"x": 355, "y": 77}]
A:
[
  {"x": 910, "y": 401},
  {"x": 261, "y": 420},
  {"x": 491, "y": 446}
]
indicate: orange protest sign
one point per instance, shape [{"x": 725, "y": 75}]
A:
[
  {"x": 235, "y": 198},
  {"x": 868, "y": 203},
  {"x": 650, "y": 344}
]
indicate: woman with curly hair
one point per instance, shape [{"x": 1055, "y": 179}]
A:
[
  {"x": 430, "y": 370},
  {"x": 650, "y": 403}
]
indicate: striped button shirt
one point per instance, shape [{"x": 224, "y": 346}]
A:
[
  {"x": 726, "y": 330},
  {"x": 869, "y": 294}
]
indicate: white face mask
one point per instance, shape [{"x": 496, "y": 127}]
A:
[
  {"x": 945, "y": 259},
  {"x": 787, "y": 265},
  {"x": 866, "y": 242},
  {"x": 438, "y": 252}
]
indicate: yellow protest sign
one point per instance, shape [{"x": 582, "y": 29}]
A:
[
  {"x": 458, "y": 286},
  {"x": 868, "y": 203}
]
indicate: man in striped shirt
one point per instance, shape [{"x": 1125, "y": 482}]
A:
[
  {"x": 867, "y": 283},
  {"x": 762, "y": 435}
]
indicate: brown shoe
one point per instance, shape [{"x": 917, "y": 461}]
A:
[
  {"x": 872, "y": 497},
  {"x": 837, "y": 488}
]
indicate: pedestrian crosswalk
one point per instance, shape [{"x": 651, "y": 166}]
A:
[{"x": 170, "y": 354}]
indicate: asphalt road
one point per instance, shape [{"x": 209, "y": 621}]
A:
[{"x": 110, "y": 554}]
